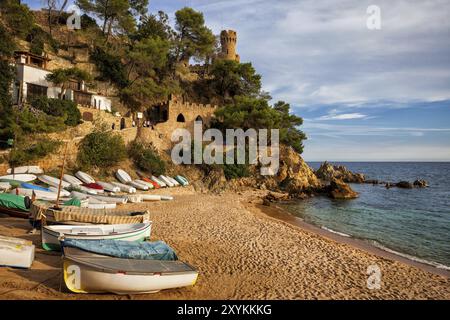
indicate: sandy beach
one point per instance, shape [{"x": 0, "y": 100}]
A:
[{"x": 241, "y": 253}]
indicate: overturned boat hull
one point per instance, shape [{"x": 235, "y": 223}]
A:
[{"x": 86, "y": 272}]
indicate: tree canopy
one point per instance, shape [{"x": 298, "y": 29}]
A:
[{"x": 194, "y": 39}]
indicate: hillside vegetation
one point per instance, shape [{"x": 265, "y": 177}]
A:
[{"x": 144, "y": 59}]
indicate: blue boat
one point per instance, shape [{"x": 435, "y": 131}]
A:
[
  {"x": 33, "y": 187},
  {"x": 157, "y": 250},
  {"x": 182, "y": 180}
]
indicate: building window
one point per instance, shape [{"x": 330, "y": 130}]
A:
[
  {"x": 180, "y": 118},
  {"x": 34, "y": 90}
]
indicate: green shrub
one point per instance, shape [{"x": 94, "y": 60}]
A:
[
  {"x": 101, "y": 149},
  {"x": 59, "y": 108},
  {"x": 38, "y": 122},
  {"x": 234, "y": 171},
  {"x": 146, "y": 158},
  {"x": 38, "y": 38},
  {"x": 26, "y": 154}
]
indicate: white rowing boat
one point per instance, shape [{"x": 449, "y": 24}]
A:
[
  {"x": 145, "y": 183},
  {"x": 175, "y": 182},
  {"x": 26, "y": 169},
  {"x": 40, "y": 194},
  {"x": 123, "y": 177},
  {"x": 100, "y": 199},
  {"x": 124, "y": 187},
  {"x": 84, "y": 177},
  {"x": 158, "y": 181},
  {"x": 15, "y": 252},
  {"x": 86, "y": 272},
  {"x": 138, "y": 185},
  {"x": 63, "y": 193},
  {"x": 150, "y": 197},
  {"x": 72, "y": 180},
  {"x": 125, "y": 232},
  {"x": 54, "y": 182},
  {"x": 5, "y": 186},
  {"x": 166, "y": 181},
  {"x": 108, "y": 186},
  {"x": 20, "y": 177}
]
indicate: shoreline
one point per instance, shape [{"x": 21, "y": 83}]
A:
[
  {"x": 275, "y": 212},
  {"x": 241, "y": 253}
]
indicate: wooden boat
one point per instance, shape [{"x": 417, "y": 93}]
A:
[
  {"x": 19, "y": 177},
  {"x": 86, "y": 272},
  {"x": 124, "y": 187},
  {"x": 158, "y": 181},
  {"x": 108, "y": 186},
  {"x": 84, "y": 177},
  {"x": 70, "y": 214},
  {"x": 125, "y": 232},
  {"x": 166, "y": 181},
  {"x": 40, "y": 195},
  {"x": 54, "y": 182},
  {"x": 123, "y": 177},
  {"x": 72, "y": 180},
  {"x": 15, "y": 252},
  {"x": 26, "y": 169},
  {"x": 14, "y": 205}
]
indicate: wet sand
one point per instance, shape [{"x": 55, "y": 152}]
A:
[{"x": 241, "y": 253}]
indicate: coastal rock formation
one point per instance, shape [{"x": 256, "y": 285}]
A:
[
  {"x": 275, "y": 197},
  {"x": 340, "y": 190},
  {"x": 329, "y": 172},
  {"x": 294, "y": 175},
  {"x": 420, "y": 183},
  {"x": 404, "y": 185}
]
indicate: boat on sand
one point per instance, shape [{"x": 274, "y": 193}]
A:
[
  {"x": 125, "y": 232},
  {"x": 87, "y": 272},
  {"x": 15, "y": 252}
]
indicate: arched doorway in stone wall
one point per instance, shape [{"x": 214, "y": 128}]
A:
[
  {"x": 122, "y": 124},
  {"x": 199, "y": 119},
  {"x": 180, "y": 118}
]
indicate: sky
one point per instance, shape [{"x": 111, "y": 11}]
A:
[{"x": 364, "y": 95}]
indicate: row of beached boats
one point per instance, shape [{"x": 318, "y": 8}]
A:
[
  {"x": 91, "y": 193},
  {"x": 104, "y": 250}
]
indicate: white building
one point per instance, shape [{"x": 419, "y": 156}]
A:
[{"x": 31, "y": 72}]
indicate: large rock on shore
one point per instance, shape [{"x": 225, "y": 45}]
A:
[
  {"x": 328, "y": 172},
  {"x": 294, "y": 175},
  {"x": 340, "y": 190}
]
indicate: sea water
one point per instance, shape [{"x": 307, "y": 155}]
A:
[{"x": 414, "y": 223}]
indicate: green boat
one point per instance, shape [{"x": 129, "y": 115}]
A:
[{"x": 15, "y": 206}]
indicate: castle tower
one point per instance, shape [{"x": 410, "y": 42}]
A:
[{"x": 228, "y": 39}]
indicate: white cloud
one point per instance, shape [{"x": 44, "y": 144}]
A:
[{"x": 343, "y": 116}]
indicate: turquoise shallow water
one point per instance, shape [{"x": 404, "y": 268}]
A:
[{"x": 413, "y": 223}]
